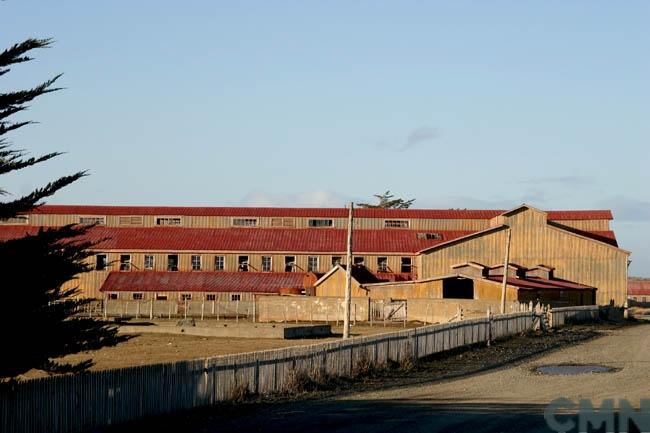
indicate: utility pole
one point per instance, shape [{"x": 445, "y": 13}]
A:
[
  {"x": 348, "y": 277},
  {"x": 505, "y": 271}
]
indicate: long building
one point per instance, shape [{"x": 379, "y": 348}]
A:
[{"x": 408, "y": 244}]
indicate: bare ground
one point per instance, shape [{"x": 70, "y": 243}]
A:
[{"x": 159, "y": 348}]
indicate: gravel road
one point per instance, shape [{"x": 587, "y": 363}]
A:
[{"x": 511, "y": 398}]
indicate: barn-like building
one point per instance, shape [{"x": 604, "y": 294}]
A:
[{"x": 394, "y": 245}]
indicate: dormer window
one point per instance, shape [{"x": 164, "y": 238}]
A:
[
  {"x": 92, "y": 220},
  {"x": 396, "y": 224},
  {"x": 168, "y": 221},
  {"x": 244, "y": 222},
  {"x": 321, "y": 223},
  {"x": 429, "y": 236}
]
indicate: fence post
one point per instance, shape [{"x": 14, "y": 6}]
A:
[
  {"x": 237, "y": 311},
  {"x": 151, "y": 310},
  {"x": 185, "y": 313},
  {"x": 105, "y": 307},
  {"x": 489, "y": 319},
  {"x": 202, "y": 307}
]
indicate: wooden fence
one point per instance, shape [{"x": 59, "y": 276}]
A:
[
  {"x": 560, "y": 316},
  {"x": 83, "y": 402}
]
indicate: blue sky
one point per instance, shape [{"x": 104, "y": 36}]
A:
[{"x": 457, "y": 104}]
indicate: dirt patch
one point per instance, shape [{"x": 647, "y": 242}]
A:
[{"x": 147, "y": 349}]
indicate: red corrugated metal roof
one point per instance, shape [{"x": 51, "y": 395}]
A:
[
  {"x": 251, "y": 239},
  {"x": 153, "y": 281},
  {"x": 308, "y": 212},
  {"x": 540, "y": 283},
  {"x": 638, "y": 287}
]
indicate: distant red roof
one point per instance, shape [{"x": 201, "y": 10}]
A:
[
  {"x": 153, "y": 281},
  {"x": 308, "y": 212},
  {"x": 638, "y": 287},
  {"x": 250, "y": 239}
]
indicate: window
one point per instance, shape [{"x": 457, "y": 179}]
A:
[
  {"x": 312, "y": 264},
  {"x": 186, "y": 296},
  {"x": 20, "y": 219},
  {"x": 112, "y": 296},
  {"x": 429, "y": 236},
  {"x": 125, "y": 262},
  {"x": 161, "y": 297},
  {"x": 210, "y": 297},
  {"x": 242, "y": 263},
  {"x": 289, "y": 263},
  {"x": 358, "y": 261},
  {"x": 196, "y": 262},
  {"x": 235, "y": 297},
  {"x": 148, "y": 261},
  {"x": 244, "y": 222},
  {"x": 129, "y": 220},
  {"x": 382, "y": 264},
  {"x": 282, "y": 222},
  {"x": 321, "y": 223},
  {"x": 396, "y": 224},
  {"x": 90, "y": 220},
  {"x": 336, "y": 260},
  {"x": 405, "y": 265},
  {"x": 219, "y": 263},
  {"x": 168, "y": 221},
  {"x": 137, "y": 296},
  {"x": 101, "y": 262},
  {"x": 266, "y": 263},
  {"x": 172, "y": 262}
]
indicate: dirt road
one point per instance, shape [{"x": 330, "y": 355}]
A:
[{"x": 509, "y": 399}]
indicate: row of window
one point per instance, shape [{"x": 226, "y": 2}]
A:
[
  {"x": 243, "y": 263},
  {"x": 235, "y": 222},
  {"x": 138, "y": 296}
]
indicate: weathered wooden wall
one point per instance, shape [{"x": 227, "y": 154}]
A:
[{"x": 534, "y": 242}]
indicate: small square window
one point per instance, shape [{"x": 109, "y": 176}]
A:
[
  {"x": 196, "y": 263},
  {"x": 125, "y": 262},
  {"x": 186, "y": 296},
  {"x": 235, "y": 297},
  {"x": 336, "y": 260},
  {"x": 242, "y": 263},
  {"x": 219, "y": 263},
  {"x": 161, "y": 297},
  {"x": 101, "y": 262},
  {"x": 210, "y": 297},
  {"x": 148, "y": 261},
  {"x": 172, "y": 262},
  {"x": 289, "y": 263},
  {"x": 382, "y": 264},
  {"x": 244, "y": 222},
  {"x": 405, "y": 265},
  {"x": 358, "y": 261},
  {"x": 312, "y": 264},
  {"x": 137, "y": 296},
  {"x": 266, "y": 263},
  {"x": 112, "y": 296}
]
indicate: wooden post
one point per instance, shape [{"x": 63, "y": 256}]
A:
[
  {"x": 348, "y": 277},
  {"x": 202, "y": 306},
  {"x": 505, "y": 272},
  {"x": 489, "y": 333},
  {"x": 217, "y": 302},
  {"x": 237, "y": 311},
  {"x": 295, "y": 312},
  {"x": 170, "y": 309},
  {"x": 185, "y": 313},
  {"x": 105, "y": 306},
  {"x": 137, "y": 310},
  {"x": 254, "y": 308},
  {"x": 213, "y": 302},
  {"x": 151, "y": 310}
]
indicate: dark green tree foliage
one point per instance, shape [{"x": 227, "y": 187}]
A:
[
  {"x": 388, "y": 201},
  {"x": 38, "y": 321}
]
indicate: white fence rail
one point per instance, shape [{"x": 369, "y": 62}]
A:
[{"x": 87, "y": 401}]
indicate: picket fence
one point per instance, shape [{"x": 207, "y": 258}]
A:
[{"x": 77, "y": 403}]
